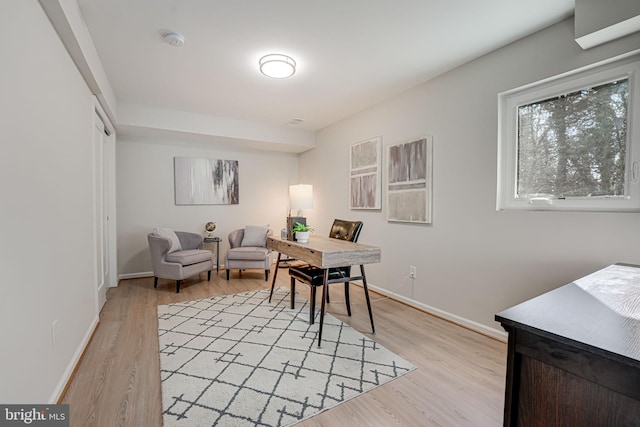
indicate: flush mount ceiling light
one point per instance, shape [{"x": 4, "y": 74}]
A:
[
  {"x": 173, "y": 38},
  {"x": 277, "y": 66}
]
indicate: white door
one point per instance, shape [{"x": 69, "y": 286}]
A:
[{"x": 100, "y": 210}]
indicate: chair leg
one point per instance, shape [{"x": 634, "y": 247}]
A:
[
  {"x": 227, "y": 274},
  {"x": 366, "y": 294},
  {"x": 266, "y": 275},
  {"x": 328, "y": 300},
  {"x": 155, "y": 282},
  {"x": 293, "y": 292},
  {"x": 209, "y": 276},
  {"x": 178, "y": 282},
  {"x": 346, "y": 297},
  {"x": 312, "y": 305}
]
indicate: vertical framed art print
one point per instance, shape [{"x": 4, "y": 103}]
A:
[
  {"x": 365, "y": 178},
  {"x": 409, "y": 181}
]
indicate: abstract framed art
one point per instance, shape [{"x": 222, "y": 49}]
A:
[
  {"x": 365, "y": 159},
  {"x": 206, "y": 181},
  {"x": 409, "y": 181}
]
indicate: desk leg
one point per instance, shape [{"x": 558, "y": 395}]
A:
[
  {"x": 366, "y": 294},
  {"x": 325, "y": 278},
  {"x": 275, "y": 274}
]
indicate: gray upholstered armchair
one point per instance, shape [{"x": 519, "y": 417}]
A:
[
  {"x": 177, "y": 256},
  {"x": 248, "y": 251}
]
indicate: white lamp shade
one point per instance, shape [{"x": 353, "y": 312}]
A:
[{"x": 301, "y": 196}]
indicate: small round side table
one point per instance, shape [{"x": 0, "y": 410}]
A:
[{"x": 215, "y": 240}]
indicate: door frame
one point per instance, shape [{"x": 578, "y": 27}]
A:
[{"x": 108, "y": 163}]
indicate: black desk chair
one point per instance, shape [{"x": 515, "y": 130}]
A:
[{"x": 313, "y": 276}]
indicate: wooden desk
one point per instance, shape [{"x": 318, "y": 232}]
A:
[
  {"x": 574, "y": 353},
  {"x": 326, "y": 252}
]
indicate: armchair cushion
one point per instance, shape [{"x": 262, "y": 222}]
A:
[
  {"x": 255, "y": 235},
  {"x": 248, "y": 254},
  {"x": 171, "y": 235},
  {"x": 189, "y": 256}
]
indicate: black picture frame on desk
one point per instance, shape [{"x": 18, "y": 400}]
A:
[{"x": 291, "y": 222}]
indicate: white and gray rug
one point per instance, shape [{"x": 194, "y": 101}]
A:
[{"x": 238, "y": 360}]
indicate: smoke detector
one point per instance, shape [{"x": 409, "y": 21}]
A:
[
  {"x": 173, "y": 38},
  {"x": 295, "y": 122}
]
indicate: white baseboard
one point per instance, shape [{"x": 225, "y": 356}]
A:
[
  {"x": 469, "y": 324},
  {"x": 135, "y": 275},
  {"x": 142, "y": 274},
  {"x": 66, "y": 377}
]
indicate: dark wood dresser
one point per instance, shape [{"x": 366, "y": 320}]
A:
[{"x": 574, "y": 353}]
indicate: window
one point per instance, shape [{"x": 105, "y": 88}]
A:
[{"x": 569, "y": 143}]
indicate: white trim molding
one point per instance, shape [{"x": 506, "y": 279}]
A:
[{"x": 453, "y": 318}]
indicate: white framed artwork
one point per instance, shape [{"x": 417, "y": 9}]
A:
[
  {"x": 365, "y": 178},
  {"x": 206, "y": 181},
  {"x": 409, "y": 181}
]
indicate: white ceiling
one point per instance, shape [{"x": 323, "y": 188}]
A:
[{"x": 351, "y": 54}]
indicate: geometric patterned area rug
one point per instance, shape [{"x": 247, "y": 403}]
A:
[{"x": 238, "y": 360}]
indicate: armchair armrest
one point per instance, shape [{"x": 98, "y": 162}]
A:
[
  {"x": 235, "y": 238},
  {"x": 159, "y": 246}
]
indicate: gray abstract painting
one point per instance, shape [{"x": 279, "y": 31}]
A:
[
  {"x": 409, "y": 168},
  {"x": 365, "y": 177},
  {"x": 206, "y": 181}
]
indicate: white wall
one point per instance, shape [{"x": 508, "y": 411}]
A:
[
  {"x": 46, "y": 251},
  {"x": 145, "y": 194},
  {"x": 472, "y": 261}
]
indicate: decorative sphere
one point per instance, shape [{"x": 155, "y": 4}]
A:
[{"x": 210, "y": 226}]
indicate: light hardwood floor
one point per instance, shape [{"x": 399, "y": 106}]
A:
[{"x": 459, "y": 381}]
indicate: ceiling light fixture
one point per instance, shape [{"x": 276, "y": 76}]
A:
[
  {"x": 173, "y": 38},
  {"x": 277, "y": 66}
]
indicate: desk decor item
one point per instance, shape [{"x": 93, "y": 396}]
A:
[
  {"x": 238, "y": 360},
  {"x": 300, "y": 197},
  {"x": 409, "y": 178},
  {"x": 365, "y": 174},
  {"x": 206, "y": 181},
  {"x": 210, "y": 227},
  {"x": 302, "y": 232}
]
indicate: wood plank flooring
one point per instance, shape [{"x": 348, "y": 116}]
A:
[{"x": 459, "y": 381}]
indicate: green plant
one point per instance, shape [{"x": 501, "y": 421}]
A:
[{"x": 301, "y": 227}]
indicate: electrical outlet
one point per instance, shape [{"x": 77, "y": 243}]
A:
[{"x": 412, "y": 272}]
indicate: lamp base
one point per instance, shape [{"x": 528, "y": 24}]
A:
[{"x": 291, "y": 222}]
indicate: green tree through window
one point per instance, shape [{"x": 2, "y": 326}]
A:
[{"x": 574, "y": 145}]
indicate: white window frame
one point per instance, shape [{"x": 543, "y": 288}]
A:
[{"x": 510, "y": 101}]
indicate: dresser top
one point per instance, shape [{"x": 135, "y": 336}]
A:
[{"x": 601, "y": 311}]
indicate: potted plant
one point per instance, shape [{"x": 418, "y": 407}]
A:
[{"x": 302, "y": 232}]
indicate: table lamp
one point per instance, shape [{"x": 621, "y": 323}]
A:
[{"x": 300, "y": 197}]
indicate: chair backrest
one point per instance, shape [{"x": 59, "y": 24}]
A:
[
  {"x": 236, "y": 237},
  {"x": 346, "y": 230}
]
